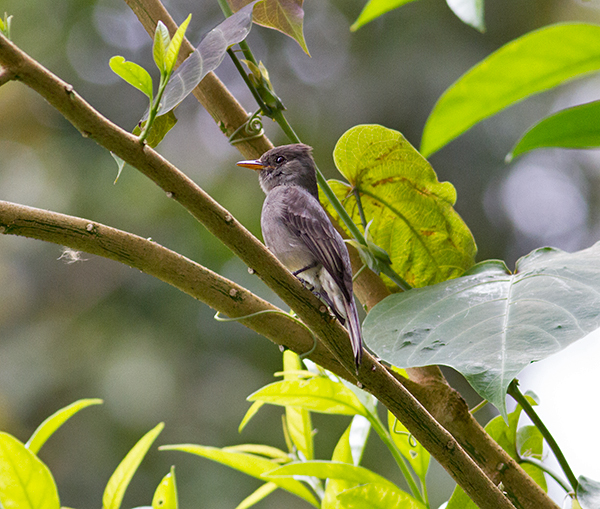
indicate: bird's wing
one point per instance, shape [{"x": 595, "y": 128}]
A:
[{"x": 308, "y": 220}]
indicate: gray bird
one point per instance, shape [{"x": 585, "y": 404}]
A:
[{"x": 299, "y": 233}]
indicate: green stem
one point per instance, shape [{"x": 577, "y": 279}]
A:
[
  {"x": 479, "y": 406},
  {"x": 361, "y": 211},
  {"x": 238, "y": 65},
  {"x": 225, "y": 8},
  {"x": 155, "y": 104},
  {"x": 539, "y": 464},
  {"x": 389, "y": 442},
  {"x": 513, "y": 390}
]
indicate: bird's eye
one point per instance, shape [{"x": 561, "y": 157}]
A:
[{"x": 280, "y": 159}]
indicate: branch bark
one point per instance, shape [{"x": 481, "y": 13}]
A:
[{"x": 374, "y": 377}]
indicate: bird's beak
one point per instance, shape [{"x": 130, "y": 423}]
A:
[{"x": 252, "y": 164}]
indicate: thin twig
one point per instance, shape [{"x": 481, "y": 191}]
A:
[{"x": 513, "y": 390}]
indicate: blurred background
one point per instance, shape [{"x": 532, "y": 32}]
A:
[{"x": 94, "y": 328}]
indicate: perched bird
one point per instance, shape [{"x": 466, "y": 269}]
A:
[{"x": 299, "y": 233}]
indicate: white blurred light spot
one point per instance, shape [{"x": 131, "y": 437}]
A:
[
  {"x": 327, "y": 37},
  {"x": 567, "y": 385},
  {"x": 120, "y": 28},
  {"x": 543, "y": 202}
]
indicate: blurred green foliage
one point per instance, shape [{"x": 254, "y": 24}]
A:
[{"x": 94, "y": 328}]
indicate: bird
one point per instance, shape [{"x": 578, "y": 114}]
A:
[{"x": 298, "y": 231}]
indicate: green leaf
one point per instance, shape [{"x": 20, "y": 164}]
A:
[
  {"x": 411, "y": 211},
  {"x": 120, "y": 165},
  {"x": 286, "y": 16},
  {"x": 249, "y": 464},
  {"x": 262, "y": 450},
  {"x": 377, "y": 496},
  {"x": 165, "y": 496},
  {"x": 528, "y": 65},
  {"x": 576, "y": 127},
  {"x": 162, "y": 39},
  {"x": 469, "y": 12},
  {"x": 175, "y": 45},
  {"x": 318, "y": 394},
  {"x": 159, "y": 129},
  {"x": 460, "y": 500},
  {"x": 330, "y": 470},
  {"x": 416, "y": 455},
  {"x": 121, "y": 477},
  {"x": 206, "y": 58},
  {"x": 343, "y": 452},
  {"x": 45, "y": 430},
  {"x": 298, "y": 420},
  {"x": 588, "y": 493},
  {"x": 374, "y": 9},
  {"x": 255, "y": 407},
  {"x": 253, "y": 499},
  {"x": 490, "y": 324},
  {"x": 132, "y": 73},
  {"x": 25, "y": 482}
]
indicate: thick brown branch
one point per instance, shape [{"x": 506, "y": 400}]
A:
[{"x": 374, "y": 377}]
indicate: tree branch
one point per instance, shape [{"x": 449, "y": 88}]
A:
[{"x": 374, "y": 377}]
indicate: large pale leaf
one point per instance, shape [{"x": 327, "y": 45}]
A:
[
  {"x": 55, "y": 421},
  {"x": 207, "y": 57},
  {"x": 287, "y": 16},
  {"x": 411, "y": 211},
  {"x": 588, "y": 493},
  {"x": 249, "y": 464},
  {"x": 318, "y": 394},
  {"x": 25, "y": 482},
  {"x": 375, "y": 8},
  {"x": 121, "y": 477},
  {"x": 528, "y": 65},
  {"x": 491, "y": 323},
  {"x": 576, "y": 127}
]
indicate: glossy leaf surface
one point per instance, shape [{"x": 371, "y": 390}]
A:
[
  {"x": 533, "y": 63},
  {"x": 491, "y": 323},
  {"x": 588, "y": 492}
]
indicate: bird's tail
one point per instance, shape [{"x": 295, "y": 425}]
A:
[{"x": 353, "y": 325}]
